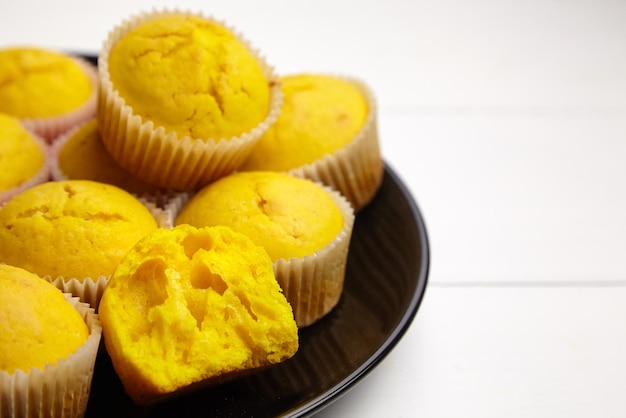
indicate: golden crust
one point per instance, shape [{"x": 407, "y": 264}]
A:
[
  {"x": 73, "y": 228},
  {"x": 39, "y": 326}
]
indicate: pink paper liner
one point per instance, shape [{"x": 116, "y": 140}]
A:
[
  {"x": 50, "y": 128},
  {"x": 57, "y": 390}
]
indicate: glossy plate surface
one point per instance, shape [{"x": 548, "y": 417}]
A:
[{"x": 386, "y": 278}]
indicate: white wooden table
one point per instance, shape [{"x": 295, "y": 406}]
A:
[{"x": 515, "y": 113}]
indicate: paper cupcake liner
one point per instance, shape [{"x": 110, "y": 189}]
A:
[
  {"x": 41, "y": 176},
  {"x": 163, "y": 158},
  {"x": 171, "y": 204},
  {"x": 313, "y": 284},
  {"x": 355, "y": 170},
  {"x": 51, "y": 127},
  {"x": 57, "y": 390},
  {"x": 164, "y": 206},
  {"x": 87, "y": 290}
]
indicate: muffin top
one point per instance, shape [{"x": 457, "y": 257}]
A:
[
  {"x": 191, "y": 304},
  {"x": 191, "y": 76},
  {"x": 71, "y": 229},
  {"x": 82, "y": 156},
  {"x": 21, "y": 155},
  {"x": 38, "y": 83},
  {"x": 39, "y": 325},
  {"x": 320, "y": 114},
  {"x": 288, "y": 216}
]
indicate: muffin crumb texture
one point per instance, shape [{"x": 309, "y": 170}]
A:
[{"x": 191, "y": 305}]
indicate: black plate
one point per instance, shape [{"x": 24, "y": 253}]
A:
[{"x": 386, "y": 278}]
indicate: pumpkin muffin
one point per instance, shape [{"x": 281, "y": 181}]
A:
[
  {"x": 49, "y": 340},
  {"x": 183, "y": 98},
  {"x": 81, "y": 155},
  {"x": 326, "y": 132},
  {"x": 304, "y": 226},
  {"x": 194, "y": 306},
  {"x": 23, "y": 158},
  {"x": 49, "y": 91},
  {"x": 72, "y": 233}
]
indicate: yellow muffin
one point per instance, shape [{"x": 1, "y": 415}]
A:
[
  {"x": 48, "y": 90},
  {"x": 73, "y": 229},
  {"x": 23, "y": 158},
  {"x": 326, "y": 132},
  {"x": 39, "y": 326},
  {"x": 49, "y": 345},
  {"x": 320, "y": 115},
  {"x": 190, "y": 306},
  {"x": 183, "y": 98},
  {"x": 81, "y": 155},
  {"x": 304, "y": 227},
  {"x": 288, "y": 216},
  {"x": 191, "y": 76}
]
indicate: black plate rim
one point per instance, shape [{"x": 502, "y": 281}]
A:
[{"x": 322, "y": 401}]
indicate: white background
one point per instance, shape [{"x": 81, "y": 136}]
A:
[{"x": 514, "y": 115}]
